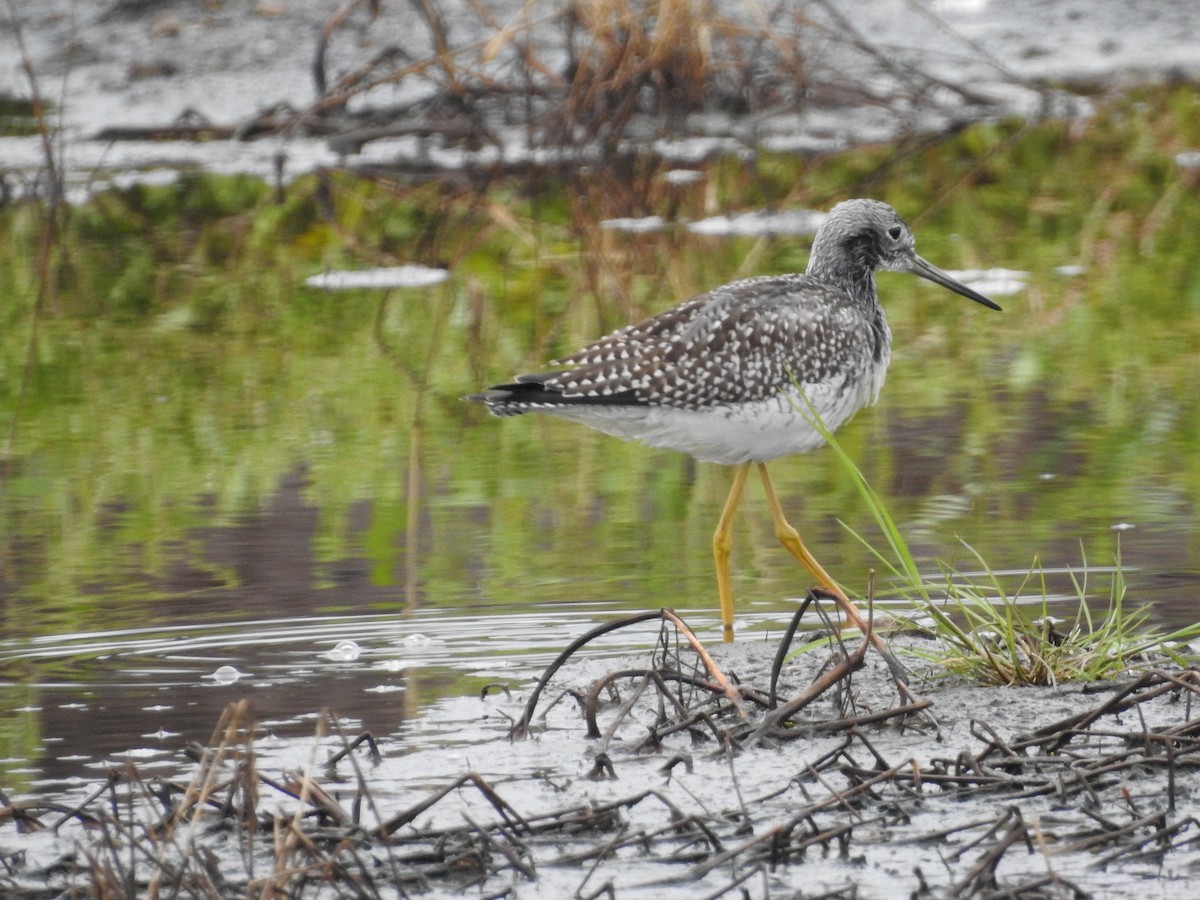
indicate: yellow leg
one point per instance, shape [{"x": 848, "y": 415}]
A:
[
  {"x": 790, "y": 538},
  {"x": 723, "y": 543}
]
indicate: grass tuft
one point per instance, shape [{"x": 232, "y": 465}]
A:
[{"x": 991, "y": 635}]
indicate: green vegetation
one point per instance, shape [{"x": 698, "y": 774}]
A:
[
  {"x": 992, "y": 634},
  {"x": 17, "y": 116},
  {"x": 989, "y": 635}
]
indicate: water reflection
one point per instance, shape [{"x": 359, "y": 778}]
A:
[
  {"x": 499, "y": 584},
  {"x": 594, "y": 521}
]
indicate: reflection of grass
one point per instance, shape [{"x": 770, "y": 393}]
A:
[{"x": 985, "y": 633}]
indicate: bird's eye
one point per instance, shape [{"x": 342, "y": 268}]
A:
[{"x": 894, "y": 232}]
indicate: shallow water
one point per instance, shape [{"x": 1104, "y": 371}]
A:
[{"x": 144, "y": 694}]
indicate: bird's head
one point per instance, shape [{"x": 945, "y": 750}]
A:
[{"x": 861, "y": 236}]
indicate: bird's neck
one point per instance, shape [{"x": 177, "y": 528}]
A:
[
  {"x": 858, "y": 283},
  {"x": 846, "y": 264}
]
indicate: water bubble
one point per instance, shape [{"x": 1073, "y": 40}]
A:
[
  {"x": 344, "y": 651},
  {"x": 226, "y": 675}
]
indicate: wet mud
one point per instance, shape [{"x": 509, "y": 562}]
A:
[{"x": 682, "y": 772}]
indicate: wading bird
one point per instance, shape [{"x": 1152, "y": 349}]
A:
[{"x": 719, "y": 376}]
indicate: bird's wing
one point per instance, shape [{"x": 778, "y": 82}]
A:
[
  {"x": 639, "y": 337},
  {"x": 745, "y": 341}
]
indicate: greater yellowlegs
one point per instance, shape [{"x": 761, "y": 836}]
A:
[{"x": 718, "y": 376}]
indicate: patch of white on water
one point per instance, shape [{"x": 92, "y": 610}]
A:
[
  {"x": 993, "y": 282},
  {"x": 680, "y": 177},
  {"x": 386, "y": 689},
  {"x": 162, "y": 734},
  {"x": 91, "y": 166},
  {"x": 630, "y": 225},
  {"x": 960, "y": 7},
  {"x": 406, "y": 276},
  {"x": 142, "y": 753},
  {"x": 1188, "y": 159},
  {"x": 692, "y": 150},
  {"x": 760, "y": 223}
]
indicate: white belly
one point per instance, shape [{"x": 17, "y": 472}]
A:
[{"x": 729, "y": 434}]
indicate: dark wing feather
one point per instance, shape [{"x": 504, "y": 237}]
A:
[{"x": 530, "y": 392}]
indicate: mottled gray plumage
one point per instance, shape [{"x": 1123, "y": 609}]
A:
[{"x": 716, "y": 375}]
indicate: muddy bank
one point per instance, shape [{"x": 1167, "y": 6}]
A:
[
  {"x": 318, "y": 84},
  {"x": 664, "y": 773}
]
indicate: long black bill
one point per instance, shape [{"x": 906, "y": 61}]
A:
[{"x": 930, "y": 272}]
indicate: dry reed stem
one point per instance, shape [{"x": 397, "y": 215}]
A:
[{"x": 731, "y": 692}]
